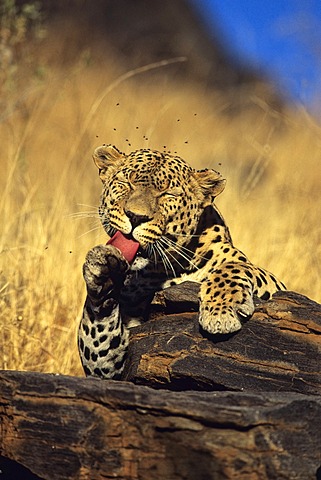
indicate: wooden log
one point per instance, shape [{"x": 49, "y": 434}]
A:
[
  {"x": 259, "y": 419},
  {"x": 74, "y": 428},
  {"x": 278, "y": 349}
]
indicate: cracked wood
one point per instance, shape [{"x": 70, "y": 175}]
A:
[
  {"x": 278, "y": 349},
  {"x": 65, "y": 427}
]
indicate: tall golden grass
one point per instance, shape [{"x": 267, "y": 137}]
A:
[{"x": 50, "y": 189}]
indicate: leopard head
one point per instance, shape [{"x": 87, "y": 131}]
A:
[{"x": 152, "y": 196}]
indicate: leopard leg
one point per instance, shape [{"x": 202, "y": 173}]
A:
[
  {"x": 227, "y": 298},
  {"x": 102, "y": 336}
]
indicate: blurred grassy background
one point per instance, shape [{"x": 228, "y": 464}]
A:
[{"x": 58, "y": 102}]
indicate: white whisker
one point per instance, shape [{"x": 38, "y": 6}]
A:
[
  {"x": 86, "y": 205},
  {"x": 83, "y": 215},
  {"x": 97, "y": 227},
  {"x": 159, "y": 251},
  {"x": 187, "y": 250},
  {"x": 173, "y": 256},
  {"x": 166, "y": 261},
  {"x": 178, "y": 249},
  {"x": 92, "y": 212},
  {"x": 187, "y": 235},
  {"x": 170, "y": 242},
  {"x": 152, "y": 250}
]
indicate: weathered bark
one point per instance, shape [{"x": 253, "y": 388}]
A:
[
  {"x": 71, "y": 428},
  {"x": 56, "y": 427},
  {"x": 278, "y": 349}
]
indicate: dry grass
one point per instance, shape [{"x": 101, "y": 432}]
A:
[{"x": 47, "y": 134}]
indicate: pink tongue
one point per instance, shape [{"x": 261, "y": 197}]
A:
[{"x": 127, "y": 247}]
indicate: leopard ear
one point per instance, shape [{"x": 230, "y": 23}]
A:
[
  {"x": 106, "y": 156},
  {"x": 211, "y": 184}
]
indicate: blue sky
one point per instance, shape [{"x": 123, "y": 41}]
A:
[{"x": 281, "y": 38}]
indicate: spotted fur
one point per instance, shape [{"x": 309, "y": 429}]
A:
[{"x": 168, "y": 207}]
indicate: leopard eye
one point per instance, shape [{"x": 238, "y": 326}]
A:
[
  {"x": 123, "y": 184},
  {"x": 168, "y": 195},
  {"x": 121, "y": 180},
  {"x": 172, "y": 193},
  {"x": 119, "y": 189}
]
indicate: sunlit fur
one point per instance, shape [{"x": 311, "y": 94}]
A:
[{"x": 166, "y": 206}]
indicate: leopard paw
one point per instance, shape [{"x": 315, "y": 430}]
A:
[
  {"x": 224, "y": 312},
  {"x": 104, "y": 268}
]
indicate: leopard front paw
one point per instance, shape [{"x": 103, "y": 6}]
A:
[
  {"x": 104, "y": 270},
  {"x": 222, "y": 312}
]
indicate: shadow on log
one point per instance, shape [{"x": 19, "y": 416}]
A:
[{"x": 259, "y": 419}]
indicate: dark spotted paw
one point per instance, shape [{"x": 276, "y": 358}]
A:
[{"x": 104, "y": 270}]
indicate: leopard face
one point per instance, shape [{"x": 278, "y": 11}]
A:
[{"x": 154, "y": 197}]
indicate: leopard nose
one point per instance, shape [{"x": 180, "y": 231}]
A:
[{"x": 136, "y": 219}]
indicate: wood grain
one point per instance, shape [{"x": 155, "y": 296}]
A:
[
  {"x": 245, "y": 406},
  {"x": 73, "y": 428}
]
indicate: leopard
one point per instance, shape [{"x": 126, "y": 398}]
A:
[{"x": 171, "y": 231}]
